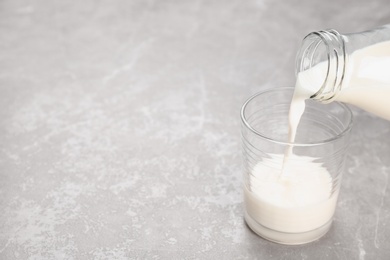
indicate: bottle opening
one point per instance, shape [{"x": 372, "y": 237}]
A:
[{"x": 324, "y": 49}]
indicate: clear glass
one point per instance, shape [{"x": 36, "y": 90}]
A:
[
  {"x": 336, "y": 49},
  {"x": 321, "y": 144}
]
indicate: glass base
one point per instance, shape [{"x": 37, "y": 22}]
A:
[{"x": 287, "y": 238}]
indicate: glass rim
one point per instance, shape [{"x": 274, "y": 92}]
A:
[{"x": 320, "y": 142}]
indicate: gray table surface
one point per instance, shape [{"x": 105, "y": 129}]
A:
[{"x": 119, "y": 128}]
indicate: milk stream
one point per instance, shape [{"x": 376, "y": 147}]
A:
[{"x": 300, "y": 199}]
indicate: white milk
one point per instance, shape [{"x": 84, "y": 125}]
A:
[
  {"x": 368, "y": 85},
  {"x": 298, "y": 203}
]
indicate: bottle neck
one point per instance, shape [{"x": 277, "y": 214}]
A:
[{"x": 326, "y": 47}]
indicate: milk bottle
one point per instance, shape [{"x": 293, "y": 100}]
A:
[
  {"x": 350, "y": 68},
  {"x": 364, "y": 82}
]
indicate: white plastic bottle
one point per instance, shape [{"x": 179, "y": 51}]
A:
[{"x": 351, "y": 68}]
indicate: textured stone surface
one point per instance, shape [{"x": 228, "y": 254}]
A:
[{"x": 119, "y": 128}]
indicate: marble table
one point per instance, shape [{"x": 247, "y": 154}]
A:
[{"x": 120, "y": 129}]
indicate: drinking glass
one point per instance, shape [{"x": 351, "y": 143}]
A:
[{"x": 292, "y": 200}]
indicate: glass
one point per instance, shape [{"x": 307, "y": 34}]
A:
[
  {"x": 335, "y": 50},
  {"x": 296, "y": 206}
]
